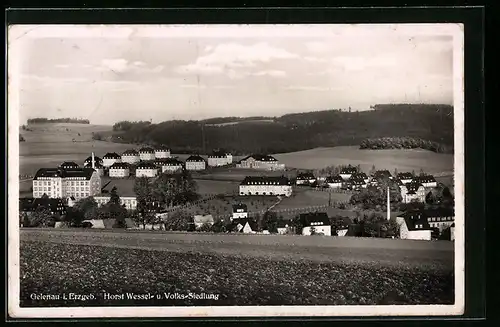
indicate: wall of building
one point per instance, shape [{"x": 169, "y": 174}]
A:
[
  {"x": 342, "y": 232},
  {"x": 325, "y": 230},
  {"x": 195, "y": 165},
  {"x": 110, "y": 162},
  {"x": 162, "y": 154},
  {"x": 419, "y": 235},
  {"x": 131, "y": 159},
  {"x": 285, "y": 190},
  {"x": 146, "y": 172},
  {"x": 147, "y": 156},
  {"x": 238, "y": 215},
  {"x": 130, "y": 202},
  {"x": 170, "y": 168},
  {"x": 120, "y": 172}
]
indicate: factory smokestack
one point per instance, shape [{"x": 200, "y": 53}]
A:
[
  {"x": 93, "y": 161},
  {"x": 388, "y": 204}
]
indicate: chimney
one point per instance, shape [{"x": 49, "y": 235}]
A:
[
  {"x": 388, "y": 204},
  {"x": 93, "y": 161}
]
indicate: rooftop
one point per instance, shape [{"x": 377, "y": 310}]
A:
[
  {"x": 309, "y": 219},
  {"x": 195, "y": 158},
  {"x": 130, "y": 153},
  {"x": 266, "y": 180},
  {"x": 146, "y": 150},
  {"x": 112, "y": 155},
  {"x": 64, "y": 172},
  {"x": 146, "y": 165},
  {"x": 120, "y": 165}
]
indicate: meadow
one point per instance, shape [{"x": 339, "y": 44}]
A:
[{"x": 241, "y": 269}]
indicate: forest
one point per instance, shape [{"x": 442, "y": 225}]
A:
[{"x": 58, "y": 120}]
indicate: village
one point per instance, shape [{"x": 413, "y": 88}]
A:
[{"x": 405, "y": 205}]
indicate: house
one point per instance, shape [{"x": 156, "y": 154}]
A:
[
  {"x": 130, "y": 202},
  {"x": 305, "y": 179},
  {"x": 414, "y": 226},
  {"x": 334, "y": 181},
  {"x": 60, "y": 183},
  {"x": 382, "y": 174},
  {"x": 356, "y": 183},
  {"x": 452, "y": 232},
  {"x": 282, "y": 227},
  {"x": 94, "y": 163},
  {"x": 441, "y": 218},
  {"x": 131, "y": 156},
  {"x": 110, "y": 158},
  {"x": 69, "y": 165},
  {"x": 219, "y": 158},
  {"x": 200, "y": 220},
  {"x": 405, "y": 178},
  {"x": 316, "y": 223},
  {"x": 146, "y": 169},
  {"x": 412, "y": 192},
  {"x": 147, "y": 154},
  {"x": 162, "y": 152},
  {"x": 260, "y": 161},
  {"x": 119, "y": 170},
  {"x": 169, "y": 165},
  {"x": 55, "y": 206},
  {"x": 360, "y": 175},
  {"x": 196, "y": 162},
  {"x": 245, "y": 225},
  {"x": 266, "y": 185},
  {"x": 342, "y": 226},
  {"x": 426, "y": 180},
  {"x": 347, "y": 172},
  {"x": 240, "y": 210}
]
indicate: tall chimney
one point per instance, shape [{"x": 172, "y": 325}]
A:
[
  {"x": 93, "y": 161},
  {"x": 388, "y": 204}
]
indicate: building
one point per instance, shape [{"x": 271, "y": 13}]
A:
[
  {"x": 146, "y": 169},
  {"x": 342, "y": 226},
  {"x": 305, "y": 179},
  {"x": 405, "y": 178},
  {"x": 266, "y": 185},
  {"x": 334, "y": 181},
  {"x": 259, "y": 161},
  {"x": 196, "y": 162},
  {"x": 130, "y": 202},
  {"x": 240, "y": 211},
  {"x": 316, "y": 223},
  {"x": 219, "y": 158},
  {"x": 356, "y": 183},
  {"x": 244, "y": 225},
  {"x": 414, "y": 226},
  {"x": 119, "y": 170},
  {"x": 347, "y": 172},
  {"x": 131, "y": 156},
  {"x": 55, "y": 206},
  {"x": 61, "y": 183},
  {"x": 440, "y": 218},
  {"x": 169, "y": 165},
  {"x": 110, "y": 158},
  {"x": 412, "y": 192},
  {"x": 427, "y": 180},
  {"x": 69, "y": 165},
  {"x": 452, "y": 232},
  {"x": 382, "y": 174},
  {"x": 200, "y": 220},
  {"x": 147, "y": 154},
  {"x": 162, "y": 152},
  {"x": 360, "y": 175},
  {"x": 283, "y": 227},
  {"x": 97, "y": 160}
]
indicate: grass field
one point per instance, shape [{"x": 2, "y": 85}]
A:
[
  {"x": 241, "y": 269},
  {"x": 403, "y": 160}
]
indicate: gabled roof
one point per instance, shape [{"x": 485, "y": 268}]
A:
[
  {"x": 218, "y": 154},
  {"x": 382, "y": 174},
  {"x": 412, "y": 223},
  {"x": 425, "y": 179},
  {"x": 112, "y": 155},
  {"x": 97, "y": 164},
  {"x": 265, "y": 180},
  {"x": 54, "y": 205},
  {"x": 130, "y": 153},
  {"x": 146, "y": 165},
  {"x": 359, "y": 175},
  {"x": 357, "y": 180},
  {"x": 306, "y": 176},
  {"x": 261, "y": 157},
  {"x": 348, "y": 170},
  {"x": 146, "y": 149},
  {"x": 309, "y": 219},
  {"x": 195, "y": 158},
  {"x": 413, "y": 187},
  {"x": 168, "y": 162},
  {"x": 69, "y": 164},
  {"x": 334, "y": 179},
  {"x": 96, "y": 159},
  {"x": 162, "y": 148},
  {"x": 240, "y": 206},
  {"x": 120, "y": 165},
  {"x": 243, "y": 221},
  {"x": 64, "y": 172},
  {"x": 405, "y": 176},
  {"x": 439, "y": 212}
]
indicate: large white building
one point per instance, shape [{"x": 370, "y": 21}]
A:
[
  {"x": 440, "y": 218},
  {"x": 219, "y": 158},
  {"x": 130, "y": 202},
  {"x": 94, "y": 163},
  {"x": 162, "y": 152},
  {"x": 266, "y": 185},
  {"x": 316, "y": 223},
  {"x": 414, "y": 226},
  {"x": 69, "y": 165},
  {"x": 147, "y": 154},
  {"x": 258, "y": 161},
  {"x": 334, "y": 181},
  {"x": 196, "y": 163},
  {"x": 412, "y": 192},
  {"x": 62, "y": 183},
  {"x": 347, "y": 172},
  {"x": 426, "y": 180},
  {"x": 305, "y": 179},
  {"x": 131, "y": 157},
  {"x": 146, "y": 169},
  {"x": 240, "y": 211},
  {"x": 119, "y": 170},
  {"x": 169, "y": 165},
  {"x": 405, "y": 178},
  {"x": 110, "y": 158}
]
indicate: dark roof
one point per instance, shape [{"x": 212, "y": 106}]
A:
[
  {"x": 306, "y": 176},
  {"x": 439, "y": 212},
  {"x": 97, "y": 164},
  {"x": 96, "y": 159},
  {"x": 308, "y": 219},
  {"x": 359, "y": 175},
  {"x": 112, "y": 155},
  {"x": 348, "y": 170},
  {"x": 425, "y": 179},
  {"x": 334, "y": 179},
  {"x": 64, "y": 172},
  {"x": 69, "y": 164},
  {"x": 54, "y": 205},
  {"x": 405, "y": 176},
  {"x": 282, "y": 223},
  {"x": 239, "y": 206},
  {"x": 413, "y": 187},
  {"x": 130, "y": 153},
  {"x": 266, "y": 180},
  {"x": 411, "y": 223},
  {"x": 218, "y": 154},
  {"x": 195, "y": 158},
  {"x": 260, "y": 157},
  {"x": 146, "y": 150},
  {"x": 161, "y": 148},
  {"x": 120, "y": 165},
  {"x": 382, "y": 174},
  {"x": 243, "y": 222},
  {"x": 26, "y": 204},
  {"x": 146, "y": 165},
  {"x": 168, "y": 162},
  {"x": 357, "y": 180}
]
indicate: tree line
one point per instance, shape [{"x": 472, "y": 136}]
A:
[
  {"x": 405, "y": 143},
  {"x": 293, "y": 132},
  {"x": 58, "y": 120}
]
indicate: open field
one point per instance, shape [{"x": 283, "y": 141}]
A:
[
  {"x": 303, "y": 197},
  {"x": 241, "y": 269},
  {"x": 223, "y": 207},
  {"x": 402, "y": 160}
]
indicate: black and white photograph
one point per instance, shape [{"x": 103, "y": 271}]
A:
[{"x": 235, "y": 170}]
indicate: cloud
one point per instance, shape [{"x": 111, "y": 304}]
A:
[
  {"x": 316, "y": 46},
  {"x": 62, "y": 66},
  {"x": 360, "y": 63},
  {"x": 204, "y": 86},
  {"x": 120, "y": 65},
  {"x": 273, "y": 73},
  {"x": 226, "y": 58}
]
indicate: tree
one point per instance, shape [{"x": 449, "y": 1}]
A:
[
  {"x": 429, "y": 198},
  {"x": 74, "y": 216},
  {"x": 21, "y": 138},
  {"x": 206, "y": 227},
  {"x": 41, "y": 217},
  {"x": 395, "y": 172},
  {"x": 218, "y": 227},
  {"x": 45, "y": 196},
  {"x": 87, "y": 206},
  {"x": 297, "y": 224},
  {"x": 146, "y": 200},
  {"x": 178, "y": 221},
  {"x": 270, "y": 222},
  {"x": 174, "y": 189}
]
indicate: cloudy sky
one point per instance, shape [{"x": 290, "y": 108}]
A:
[{"x": 111, "y": 73}]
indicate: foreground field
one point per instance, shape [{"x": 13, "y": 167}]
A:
[{"x": 241, "y": 269}]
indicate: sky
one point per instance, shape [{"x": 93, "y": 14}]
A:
[{"x": 112, "y": 73}]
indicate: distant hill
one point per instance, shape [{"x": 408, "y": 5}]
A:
[
  {"x": 296, "y": 132},
  {"x": 58, "y": 120}
]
